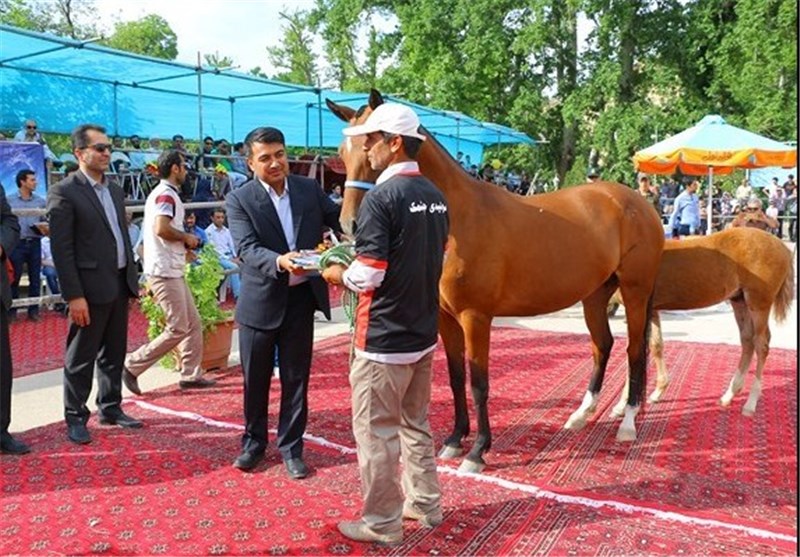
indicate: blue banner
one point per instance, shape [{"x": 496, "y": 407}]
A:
[{"x": 22, "y": 156}]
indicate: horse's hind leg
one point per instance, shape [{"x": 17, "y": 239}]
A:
[
  {"x": 596, "y": 316},
  {"x": 639, "y": 310},
  {"x": 746, "y": 336},
  {"x": 762, "y": 337},
  {"x": 477, "y": 329},
  {"x": 453, "y": 339}
]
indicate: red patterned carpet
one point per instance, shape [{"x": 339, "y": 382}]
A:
[
  {"x": 39, "y": 346},
  {"x": 701, "y": 480}
]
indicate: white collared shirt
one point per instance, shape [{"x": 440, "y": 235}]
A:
[{"x": 283, "y": 207}]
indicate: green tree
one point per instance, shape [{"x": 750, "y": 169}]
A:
[
  {"x": 67, "y": 18},
  {"x": 295, "y": 56},
  {"x": 150, "y": 36},
  {"x": 217, "y": 61}
]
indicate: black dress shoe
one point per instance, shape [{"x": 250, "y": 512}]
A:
[
  {"x": 131, "y": 382},
  {"x": 9, "y": 445},
  {"x": 200, "y": 383},
  {"x": 122, "y": 420},
  {"x": 78, "y": 433},
  {"x": 248, "y": 461},
  {"x": 296, "y": 468}
]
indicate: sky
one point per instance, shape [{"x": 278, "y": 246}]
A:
[{"x": 239, "y": 29}]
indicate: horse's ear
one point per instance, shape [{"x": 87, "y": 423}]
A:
[
  {"x": 375, "y": 99},
  {"x": 342, "y": 112}
]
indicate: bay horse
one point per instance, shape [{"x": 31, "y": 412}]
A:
[
  {"x": 751, "y": 269},
  {"x": 509, "y": 255},
  {"x": 327, "y": 171}
]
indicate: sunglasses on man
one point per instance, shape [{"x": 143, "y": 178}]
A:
[
  {"x": 31, "y": 127},
  {"x": 99, "y": 147}
]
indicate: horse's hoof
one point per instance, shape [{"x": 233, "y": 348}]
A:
[
  {"x": 451, "y": 452},
  {"x": 655, "y": 397},
  {"x": 617, "y": 411},
  {"x": 748, "y": 412},
  {"x": 471, "y": 467},
  {"x": 575, "y": 423},
  {"x": 625, "y": 435},
  {"x": 724, "y": 401}
]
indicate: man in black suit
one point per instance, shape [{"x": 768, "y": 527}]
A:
[
  {"x": 272, "y": 217},
  {"x": 9, "y": 236},
  {"x": 93, "y": 257}
]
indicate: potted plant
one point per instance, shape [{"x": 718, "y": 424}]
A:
[{"x": 203, "y": 277}]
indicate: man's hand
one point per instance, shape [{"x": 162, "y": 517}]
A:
[
  {"x": 79, "y": 312},
  {"x": 333, "y": 273},
  {"x": 191, "y": 241},
  {"x": 286, "y": 263}
]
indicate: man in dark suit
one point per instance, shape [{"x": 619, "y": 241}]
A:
[
  {"x": 272, "y": 217},
  {"x": 93, "y": 257},
  {"x": 9, "y": 236}
]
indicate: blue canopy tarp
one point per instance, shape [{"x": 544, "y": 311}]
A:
[{"x": 62, "y": 82}]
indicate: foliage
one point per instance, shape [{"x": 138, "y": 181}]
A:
[
  {"x": 203, "y": 278},
  {"x": 295, "y": 56},
  {"x": 68, "y": 18},
  {"x": 150, "y": 36},
  {"x": 217, "y": 61}
]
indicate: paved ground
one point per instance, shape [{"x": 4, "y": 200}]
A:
[{"x": 37, "y": 399}]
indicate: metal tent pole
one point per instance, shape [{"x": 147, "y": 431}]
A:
[
  {"x": 199, "y": 97},
  {"x": 709, "y": 207}
]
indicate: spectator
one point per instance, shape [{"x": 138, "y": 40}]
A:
[
  {"x": 220, "y": 237},
  {"x": 30, "y": 134},
  {"x": 789, "y": 186},
  {"x": 165, "y": 266},
  {"x": 190, "y": 226},
  {"x": 744, "y": 191},
  {"x": 239, "y": 160},
  {"x": 28, "y": 253},
  {"x": 154, "y": 144},
  {"x": 179, "y": 145},
  {"x": 336, "y": 194},
  {"x": 650, "y": 193},
  {"x": 593, "y": 174},
  {"x": 136, "y": 142},
  {"x": 50, "y": 274},
  {"x": 133, "y": 229},
  {"x": 753, "y": 216},
  {"x": 685, "y": 218},
  {"x": 773, "y": 213},
  {"x": 9, "y": 235},
  {"x": 204, "y": 159}
]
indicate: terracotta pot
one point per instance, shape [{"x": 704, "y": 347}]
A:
[{"x": 217, "y": 346}]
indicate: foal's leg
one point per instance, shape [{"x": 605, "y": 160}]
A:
[
  {"x": 762, "y": 337},
  {"x": 657, "y": 349},
  {"x": 477, "y": 329},
  {"x": 453, "y": 339},
  {"x": 746, "y": 333},
  {"x": 596, "y": 316},
  {"x": 662, "y": 380}
]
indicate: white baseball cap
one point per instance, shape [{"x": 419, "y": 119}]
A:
[{"x": 390, "y": 118}]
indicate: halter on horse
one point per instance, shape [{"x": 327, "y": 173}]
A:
[{"x": 510, "y": 255}]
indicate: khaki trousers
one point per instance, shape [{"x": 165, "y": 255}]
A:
[
  {"x": 390, "y": 418},
  {"x": 183, "y": 330}
]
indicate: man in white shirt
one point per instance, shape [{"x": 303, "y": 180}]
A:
[
  {"x": 220, "y": 237},
  {"x": 165, "y": 244}
]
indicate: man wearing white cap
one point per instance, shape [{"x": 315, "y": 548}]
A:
[{"x": 400, "y": 242}]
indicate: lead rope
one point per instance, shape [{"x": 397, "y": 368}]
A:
[{"x": 344, "y": 253}]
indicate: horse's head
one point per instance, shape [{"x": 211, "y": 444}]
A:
[{"x": 360, "y": 176}]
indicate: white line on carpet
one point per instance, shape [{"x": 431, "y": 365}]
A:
[{"x": 506, "y": 484}]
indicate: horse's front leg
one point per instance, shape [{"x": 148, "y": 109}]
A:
[
  {"x": 453, "y": 339},
  {"x": 477, "y": 329},
  {"x": 596, "y": 317},
  {"x": 657, "y": 349}
]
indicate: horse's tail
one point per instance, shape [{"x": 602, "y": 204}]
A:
[{"x": 780, "y": 307}]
